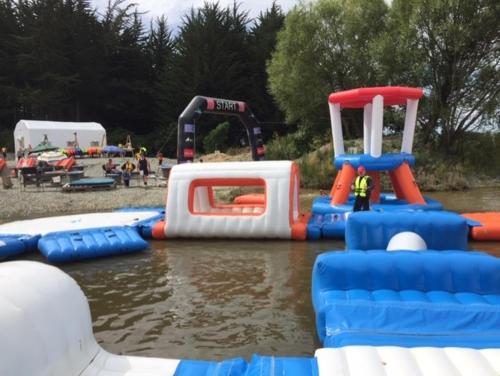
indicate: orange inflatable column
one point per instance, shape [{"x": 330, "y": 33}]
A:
[
  {"x": 340, "y": 192},
  {"x": 395, "y": 186},
  {"x": 332, "y": 191},
  {"x": 375, "y": 195},
  {"x": 408, "y": 185}
]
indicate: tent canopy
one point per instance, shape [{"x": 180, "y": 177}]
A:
[{"x": 60, "y": 134}]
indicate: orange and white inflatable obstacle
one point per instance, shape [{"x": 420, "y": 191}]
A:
[{"x": 195, "y": 207}]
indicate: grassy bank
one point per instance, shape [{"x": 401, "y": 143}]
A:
[{"x": 433, "y": 170}]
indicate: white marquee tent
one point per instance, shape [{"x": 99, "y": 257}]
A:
[{"x": 60, "y": 134}]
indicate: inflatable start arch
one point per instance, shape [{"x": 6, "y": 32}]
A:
[{"x": 200, "y": 105}]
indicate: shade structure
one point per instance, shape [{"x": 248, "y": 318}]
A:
[{"x": 29, "y": 133}]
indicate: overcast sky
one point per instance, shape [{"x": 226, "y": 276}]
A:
[{"x": 175, "y": 9}]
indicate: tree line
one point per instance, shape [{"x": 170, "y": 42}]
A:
[{"x": 62, "y": 60}]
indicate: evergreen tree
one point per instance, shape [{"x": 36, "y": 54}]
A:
[
  {"x": 262, "y": 41},
  {"x": 211, "y": 58},
  {"x": 9, "y": 93}
]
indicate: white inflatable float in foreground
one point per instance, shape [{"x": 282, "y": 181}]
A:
[
  {"x": 46, "y": 225},
  {"x": 46, "y": 329},
  {"x": 193, "y": 209}
]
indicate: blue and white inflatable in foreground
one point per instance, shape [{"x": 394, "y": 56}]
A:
[
  {"x": 79, "y": 237},
  {"x": 46, "y": 329}
]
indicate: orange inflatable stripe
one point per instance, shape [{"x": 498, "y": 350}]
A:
[
  {"x": 490, "y": 229},
  {"x": 250, "y": 199},
  {"x": 158, "y": 231},
  {"x": 340, "y": 192},
  {"x": 299, "y": 229},
  {"x": 408, "y": 185}
]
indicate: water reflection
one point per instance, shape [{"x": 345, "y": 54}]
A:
[{"x": 205, "y": 299}]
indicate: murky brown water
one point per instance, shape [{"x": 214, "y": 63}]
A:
[
  {"x": 205, "y": 299},
  {"x": 218, "y": 299}
]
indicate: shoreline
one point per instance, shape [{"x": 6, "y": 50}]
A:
[{"x": 17, "y": 204}]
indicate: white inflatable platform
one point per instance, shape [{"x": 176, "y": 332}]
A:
[
  {"x": 46, "y": 225},
  {"x": 193, "y": 209}
]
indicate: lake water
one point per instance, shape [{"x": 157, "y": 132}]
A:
[{"x": 219, "y": 299}]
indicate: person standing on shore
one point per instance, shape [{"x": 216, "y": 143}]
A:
[
  {"x": 362, "y": 187},
  {"x": 5, "y": 174},
  {"x": 144, "y": 168},
  {"x": 127, "y": 169}
]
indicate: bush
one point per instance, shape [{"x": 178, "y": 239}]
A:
[
  {"x": 217, "y": 138},
  {"x": 317, "y": 169},
  {"x": 288, "y": 147}
]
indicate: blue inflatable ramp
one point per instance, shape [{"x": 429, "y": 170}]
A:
[
  {"x": 374, "y": 230},
  {"x": 91, "y": 243},
  {"x": 258, "y": 366},
  {"x": 404, "y": 298},
  {"x": 230, "y": 367}
]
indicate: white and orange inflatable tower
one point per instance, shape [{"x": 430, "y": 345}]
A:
[{"x": 194, "y": 209}]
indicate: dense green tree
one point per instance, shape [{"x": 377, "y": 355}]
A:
[
  {"x": 325, "y": 46},
  {"x": 9, "y": 29},
  {"x": 262, "y": 42},
  {"x": 126, "y": 85},
  {"x": 451, "y": 48},
  {"x": 210, "y": 58},
  {"x": 160, "y": 46}
]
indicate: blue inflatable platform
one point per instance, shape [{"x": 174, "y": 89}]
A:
[
  {"x": 373, "y": 230},
  {"x": 329, "y": 221},
  {"x": 91, "y": 243},
  {"x": 388, "y": 202},
  {"x": 404, "y": 298}
]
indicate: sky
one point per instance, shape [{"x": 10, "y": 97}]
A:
[{"x": 175, "y": 9}]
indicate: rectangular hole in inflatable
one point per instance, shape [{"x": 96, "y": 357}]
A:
[{"x": 227, "y": 197}]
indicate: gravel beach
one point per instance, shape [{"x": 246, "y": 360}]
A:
[{"x": 33, "y": 202}]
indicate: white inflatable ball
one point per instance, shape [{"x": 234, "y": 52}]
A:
[{"x": 407, "y": 241}]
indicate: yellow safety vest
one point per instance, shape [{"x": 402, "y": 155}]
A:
[{"x": 361, "y": 186}]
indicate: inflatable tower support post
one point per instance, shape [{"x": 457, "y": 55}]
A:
[{"x": 342, "y": 187}]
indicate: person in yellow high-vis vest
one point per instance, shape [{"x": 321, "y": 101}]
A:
[{"x": 362, "y": 187}]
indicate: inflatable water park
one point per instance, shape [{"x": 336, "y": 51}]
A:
[{"x": 405, "y": 297}]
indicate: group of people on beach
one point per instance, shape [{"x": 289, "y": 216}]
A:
[{"x": 127, "y": 168}]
